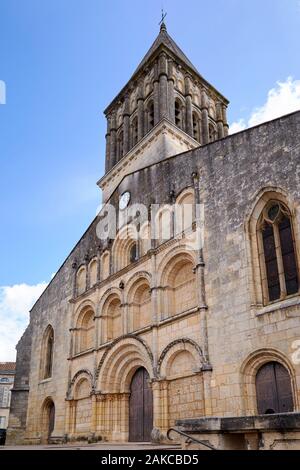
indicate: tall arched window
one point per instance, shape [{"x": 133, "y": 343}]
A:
[
  {"x": 273, "y": 389},
  {"x": 212, "y": 133},
  {"x": 134, "y": 132},
  {"x": 120, "y": 145},
  {"x": 277, "y": 252},
  {"x": 47, "y": 353},
  {"x": 150, "y": 115},
  {"x": 196, "y": 127},
  {"x": 178, "y": 114}
]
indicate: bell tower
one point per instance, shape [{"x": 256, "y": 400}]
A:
[{"x": 166, "y": 108}]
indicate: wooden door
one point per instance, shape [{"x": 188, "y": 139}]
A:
[
  {"x": 140, "y": 407},
  {"x": 273, "y": 389}
]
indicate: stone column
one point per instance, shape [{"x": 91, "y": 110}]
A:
[
  {"x": 188, "y": 105},
  {"x": 99, "y": 263},
  {"x": 87, "y": 272},
  {"x": 74, "y": 267},
  {"x": 163, "y": 86},
  {"x": 140, "y": 104},
  {"x": 94, "y": 414},
  {"x": 171, "y": 95},
  {"x": 157, "y": 410},
  {"x": 107, "y": 150},
  {"x": 220, "y": 125},
  {"x": 200, "y": 273},
  {"x": 204, "y": 113},
  {"x": 113, "y": 141},
  {"x": 154, "y": 308},
  {"x": 164, "y": 386},
  {"x": 225, "y": 122},
  {"x": 126, "y": 126}
]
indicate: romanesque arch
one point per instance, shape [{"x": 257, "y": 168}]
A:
[
  {"x": 114, "y": 375},
  {"x": 47, "y": 420},
  {"x": 139, "y": 301},
  {"x": 178, "y": 282},
  {"x": 84, "y": 333},
  {"x": 248, "y": 375},
  {"x": 181, "y": 381},
  {"x": 80, "y": 403}
]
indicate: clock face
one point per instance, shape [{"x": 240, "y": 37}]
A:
[{"x": 124, "y": 200}]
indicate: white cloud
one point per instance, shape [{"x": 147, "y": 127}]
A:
[
  {"x": 15, "y": 303},
  {"x": 284, "y": 98}
]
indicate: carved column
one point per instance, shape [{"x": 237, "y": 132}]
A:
[
  {"x": 188, "y": 105},
  {"x": 171, "y": 95},
  {"x": 107, "y": 150},
  {"x": 225, "y": 122},
  {"x": 200, "y": 273},
  {"x": 163, "y": 85},
  {"x": 220, "y": 125},
  {"x": 87, "y": 272},
  {"x": 126, "y": 126},
  {"x": 204, "y": 113},
  {"x": 140, "y": 104},
  {"x": 74, "y": 267}
]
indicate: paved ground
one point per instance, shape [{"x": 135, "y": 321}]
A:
[{"x": 99, "y": 446}]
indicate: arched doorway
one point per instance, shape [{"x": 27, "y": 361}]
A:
[
  {"x": 48, "y": 420},
  {"x": 140, "y": 407},
  {"x": 273, "y": 389}
]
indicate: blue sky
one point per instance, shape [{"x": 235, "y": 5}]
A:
[{"x": 63, "y": 61}]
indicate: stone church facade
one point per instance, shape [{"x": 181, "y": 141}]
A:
[{"x": 161, "y": 314}]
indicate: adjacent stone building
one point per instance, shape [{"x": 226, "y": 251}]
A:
[
  {"x": 7, "y": 373},
  {"x": 181, "y": 300}
]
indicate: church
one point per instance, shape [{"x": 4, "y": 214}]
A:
[{"x": 179, "y": 307}]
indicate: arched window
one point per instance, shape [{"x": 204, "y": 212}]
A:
[
  {"x": 273, "y": 389},
  {"x": 277, "y": 252},
  {"x": 178, "y": 114},
  {"x": 150, "y": 115},
  {"x": 196, "y": 127},
  {"x": 212, "y": 133},
  {"x": 120, "y": 145},
  {"x": 47, "y": 353},
  {"x": 134, "y": 132}
]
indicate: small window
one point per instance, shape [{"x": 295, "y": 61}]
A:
[
  {"x": 212, "y": 133},
  {"x": 178, "y": 114},
  {"x": 134, "y": 131},
  {"x": 196, "y": 126},
  {"x": 150, "y": 115}
]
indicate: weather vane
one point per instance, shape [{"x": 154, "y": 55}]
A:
[{"x": 163, "y": 15}]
